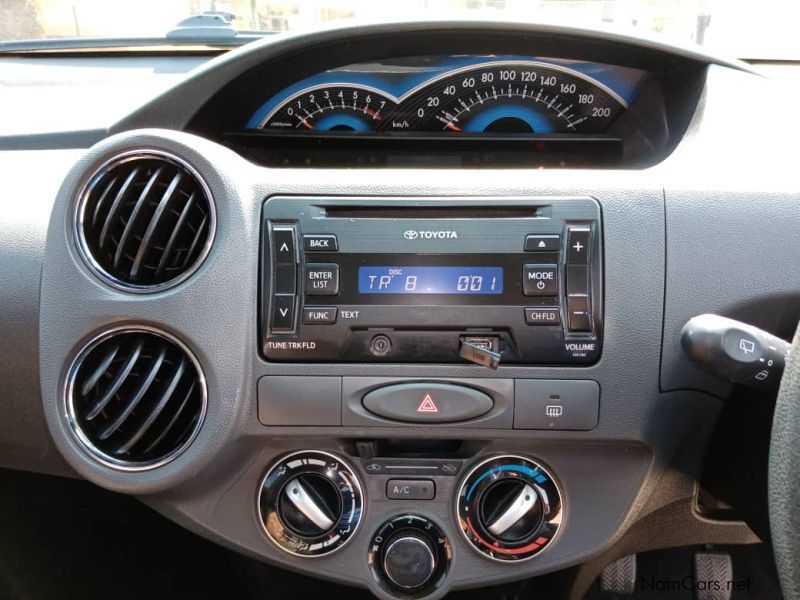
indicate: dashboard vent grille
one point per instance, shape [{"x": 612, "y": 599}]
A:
[
  {"x": 146, "y": 221},
  {"x": 135, "y": 398}
]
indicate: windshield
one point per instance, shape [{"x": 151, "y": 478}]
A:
[{"x": 749, "y": 29}]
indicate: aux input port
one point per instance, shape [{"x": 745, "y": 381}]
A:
[{"x": 380, "y": 345}]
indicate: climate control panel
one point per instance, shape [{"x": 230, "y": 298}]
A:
[{"x": 506, "y": 507}]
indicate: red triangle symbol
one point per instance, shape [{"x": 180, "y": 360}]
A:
[{"x": 427, "y": 405}]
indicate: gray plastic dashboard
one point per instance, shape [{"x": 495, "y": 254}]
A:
[{"x": 712, "y": 228}]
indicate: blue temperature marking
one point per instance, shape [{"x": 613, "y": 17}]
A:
[
  {"x": 535, "y": 120},
  {"x": 536, "y": 475},
  {"x": 344, "y": 120}
]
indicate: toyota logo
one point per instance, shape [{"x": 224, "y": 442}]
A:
[{"x": 411, "y": 234}]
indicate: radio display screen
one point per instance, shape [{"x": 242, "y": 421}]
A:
[{"x": 430, "y": 280}]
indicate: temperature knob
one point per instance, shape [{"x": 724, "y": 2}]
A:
[
  {"x": 409, "y": 554},
  {"x": 310, "y": 503},
  {"x": 509, "y": 508}
]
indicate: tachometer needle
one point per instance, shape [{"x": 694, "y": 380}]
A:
[{"x": 305, "y": 123}]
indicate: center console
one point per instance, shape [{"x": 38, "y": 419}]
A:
[{"x": 515, "y": 281}]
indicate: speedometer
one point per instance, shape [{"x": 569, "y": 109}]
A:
[
  {"x": 510, "y": 97},
  {"x": 332, "y": 107}
]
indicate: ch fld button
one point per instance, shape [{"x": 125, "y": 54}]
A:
[
  {"x": 540, "y": 280},
  {"x": 410, "y": 489}
]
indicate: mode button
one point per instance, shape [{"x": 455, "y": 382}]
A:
[{"x": 540, "y": 280}]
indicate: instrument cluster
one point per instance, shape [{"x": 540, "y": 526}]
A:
[{"x": 501, "y": 95}]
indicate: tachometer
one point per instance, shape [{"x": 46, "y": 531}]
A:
[
  {"x": 510, "y": 97},
  {"x": 344, "y": 107}
]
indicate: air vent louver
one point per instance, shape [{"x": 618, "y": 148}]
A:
[
  {"x": 135, "y": 398},
  {"x": 146, "y": 221}
]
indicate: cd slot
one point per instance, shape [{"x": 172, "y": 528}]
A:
[{"x": 356, "y": 211}]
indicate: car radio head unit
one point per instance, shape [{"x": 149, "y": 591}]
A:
[{"x": 411, "y": 279}]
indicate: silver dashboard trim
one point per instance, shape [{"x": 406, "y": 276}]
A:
[
  {"x": 72, "y": 420},
  {"x": 358, "y": 489},
  {"x": 79, "y": 214},
  {"x": 544, "y": 469}
]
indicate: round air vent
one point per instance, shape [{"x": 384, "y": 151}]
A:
[
  {"x": 135, "y": 398},
  {"x": 145, "y": 221}
]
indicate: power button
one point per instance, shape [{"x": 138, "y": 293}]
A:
[{"x": 540, "y": 280}]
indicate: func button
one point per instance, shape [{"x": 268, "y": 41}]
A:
[
  {"x": 319, "y": 315},
  {"x": 427, "y": 402}
]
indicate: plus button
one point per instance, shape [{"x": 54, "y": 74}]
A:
[{"x": 578, "y": 243}]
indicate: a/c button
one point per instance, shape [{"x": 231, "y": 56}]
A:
[{"x": 410, "y": 489}]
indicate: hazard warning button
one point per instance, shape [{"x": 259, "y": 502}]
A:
[
  {"x": 428, "y": 405},
  {"x": 427, "y": 402}
]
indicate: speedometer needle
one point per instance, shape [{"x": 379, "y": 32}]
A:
[{"x": 452, "y": 127}]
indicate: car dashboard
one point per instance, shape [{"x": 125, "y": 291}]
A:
[
  {"x": 399, "y": 306},
  {"x": 456, "y": 110}
]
